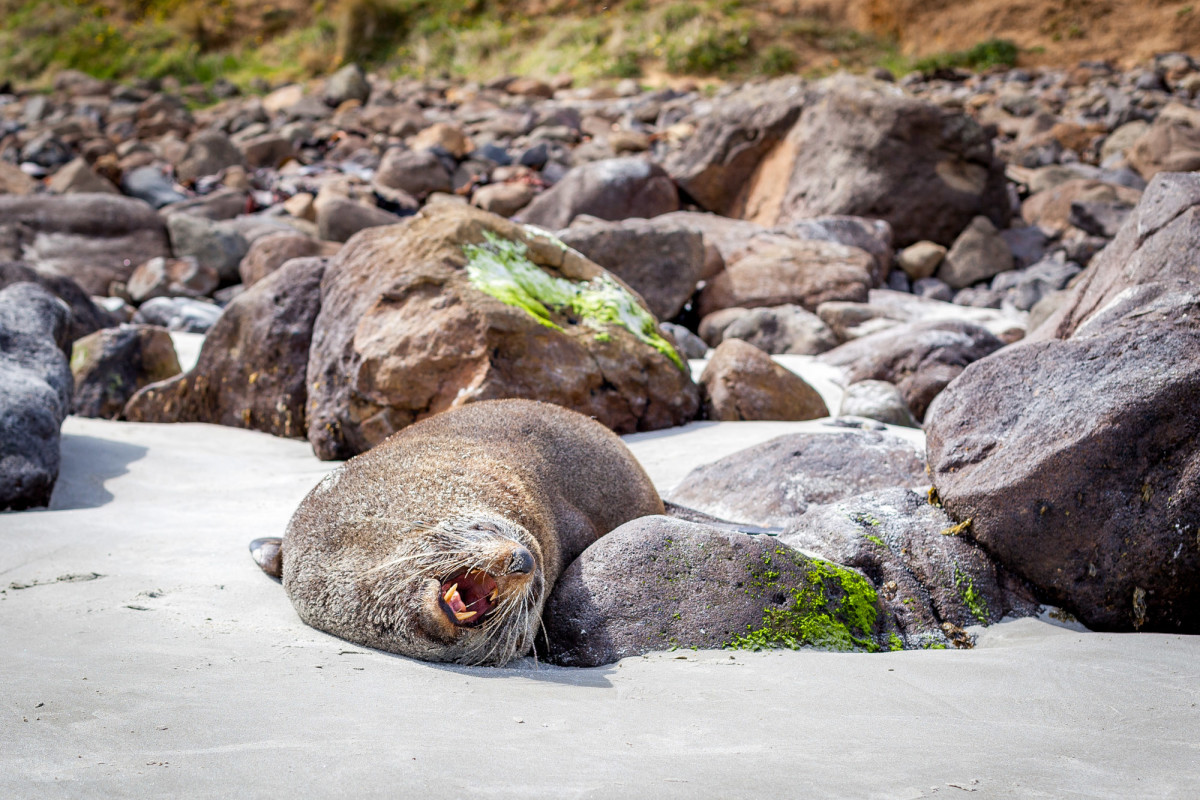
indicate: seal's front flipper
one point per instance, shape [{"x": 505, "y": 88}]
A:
[{"x": 269, "y": 555}]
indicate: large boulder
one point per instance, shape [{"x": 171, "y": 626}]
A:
[
  {"x": 732, "y": 140},
  {"x": 614, "y": 188},
  {"x": 741, "y": 382},
  {"x": 773, "y": 483},
  {"x": 112, "y": 364},
  {"x": 662, "y": 265},
  {"x": 35, "y": 393},
  {"x": 656, "y": 583},
  {"x": 926, "y": 572},
  {"x": 1075, "y": 461},
  {"x": 459, "y": 305},
  {"x": 85, "y": 316},
  {"x": 921, "y": 358},
  {"x": 94, "y": 239},
  {"x": 1156, "y": 243},
  {"x": 867, "y": 149},
  {"x": 251, "y": 370}
]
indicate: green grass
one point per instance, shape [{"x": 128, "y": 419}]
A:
[
  {"x": 990, "y": 53},
  {"x": 198, "y": 42}
]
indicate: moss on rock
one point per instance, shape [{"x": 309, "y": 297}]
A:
[{"x": 834, "y": 608}]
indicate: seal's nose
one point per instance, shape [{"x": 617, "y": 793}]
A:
[{"x": 521, "y": 562}]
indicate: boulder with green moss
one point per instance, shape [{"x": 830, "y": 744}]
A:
[
  {"x": 457, "y": 305},
  {"x": 658, "y": 583},
  {"x": 112, "y": 364},
  {"x": 927, "y": 572}
]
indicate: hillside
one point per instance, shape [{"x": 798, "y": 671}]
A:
[{"x": 651, "y": 40}]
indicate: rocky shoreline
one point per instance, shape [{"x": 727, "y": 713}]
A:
[{"x": 1002, "y": 259}]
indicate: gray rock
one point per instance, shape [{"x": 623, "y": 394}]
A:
[
  {"x": 933, "y": 289},
  {"x": 782, "y": 329},
  {"x": 657, "y": 583},
  {"x": 1154, "y": 245},
  {"x": 1075, "y": 461},
  {"x": 921, "y": 358},
  {"x": 151, "y": 185},
  {"x": 926, "y": 571},
  {"x": 773, "y": 483},
  {"x": 86, "y": 315},
  {"x": 348, "y": 83},
  {"x": 877, "y": 400},
  {"x": 35, "y": 393},
  {"x": 687, "y": 343},
  {"x": 216, "y": 246},
  {"x": 178, "y": 314}
]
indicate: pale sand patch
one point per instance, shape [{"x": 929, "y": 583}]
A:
[{"x": 184, "y": 672}]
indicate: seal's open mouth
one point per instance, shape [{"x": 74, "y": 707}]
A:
[{"x": 468, "y": 596}]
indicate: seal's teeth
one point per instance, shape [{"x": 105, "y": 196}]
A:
[
  {"x": 465, "y": 616},
  {"x": 453, "y": 590},
  {"x": 492, "y": 597}
]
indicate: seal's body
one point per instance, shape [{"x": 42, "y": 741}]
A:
[{"x": 443, "y": 541}]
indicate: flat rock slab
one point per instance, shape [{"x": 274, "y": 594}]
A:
[{"x": 218, "y": 678}]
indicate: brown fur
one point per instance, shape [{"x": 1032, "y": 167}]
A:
[{"x": 365, "y": 554}]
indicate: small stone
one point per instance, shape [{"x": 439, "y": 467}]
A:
[{"x": 920, "y": 260}]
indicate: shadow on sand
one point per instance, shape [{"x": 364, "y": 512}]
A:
[{"x": 87, "y": 462}]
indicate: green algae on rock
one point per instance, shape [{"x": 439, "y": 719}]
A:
[
  {"x": 835, "y": 608},
  {"x": 501, "y": 268}
]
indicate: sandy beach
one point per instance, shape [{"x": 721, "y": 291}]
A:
[{"x": 147, "y": 656}]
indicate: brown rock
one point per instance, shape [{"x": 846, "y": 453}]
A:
[
  {"x": 251, "y": 371},
  {"x": 403, "y": 333},
  {"x": 741, "y": 382},
  {"x": 171, "y": 277},
  {"x": 14, "y": 181},
  {"x": 268, "y": 253},
  {"x": 94, "y": 239},
  {"x": 112, "y": 364},
  {"x": 715, "y": 163},
  {"x": 1172, "y": 144},
  {"x": 774, "y": 270},
  {"x": 1051, "y": 210},
  {"x": 505, "y": 199},
  {"x": 614, "y": 188},
  {"x": 77, "y": 176},
  {"x": 1156, "y": 243},
  {"x": 450, "y": 138},
  {"x": 663, "y": 266},
  {"x": 863, "y": 149}
]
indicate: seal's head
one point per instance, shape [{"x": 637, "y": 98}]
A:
[{"x": 467, "y": 589}]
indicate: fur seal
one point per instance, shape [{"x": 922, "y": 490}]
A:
[{"x": 443, "y": 541}]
